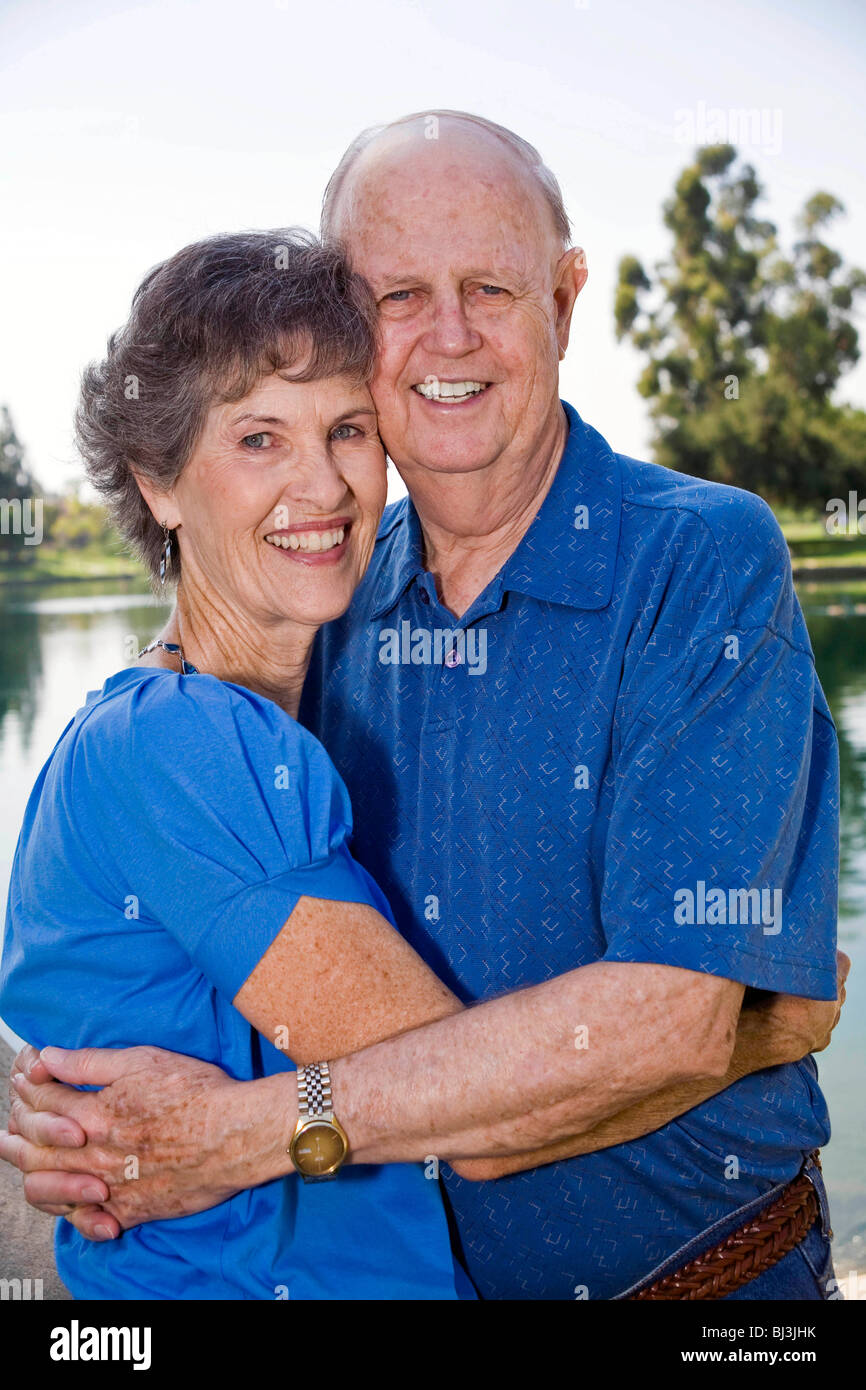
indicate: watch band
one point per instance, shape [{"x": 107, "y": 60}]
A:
[
  {"x": 314, "y": 1091},
  {"x": 315, "y": 1116}
]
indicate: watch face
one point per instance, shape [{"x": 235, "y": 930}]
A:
[{"x": 318, "y": 1149}]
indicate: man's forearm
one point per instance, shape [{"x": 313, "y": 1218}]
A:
[
  {"x": 210, "y": 1136},
  {"x": 533, "y": 1068},
  {"x": 754, "y": 1050}
]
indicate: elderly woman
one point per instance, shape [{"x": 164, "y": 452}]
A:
[
  {"x": 183, "y": 876},
  {"x": 186, "y": 844}
]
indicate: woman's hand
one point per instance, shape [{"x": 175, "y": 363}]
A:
[{"x": 165, "y": 1136}]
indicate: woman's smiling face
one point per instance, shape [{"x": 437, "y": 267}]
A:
[{"x": 278, "y": 507}]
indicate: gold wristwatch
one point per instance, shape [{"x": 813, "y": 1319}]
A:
[{"x": 319, "y": 1144}]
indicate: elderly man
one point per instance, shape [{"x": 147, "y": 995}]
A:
[{"x": 576, "y": 708}]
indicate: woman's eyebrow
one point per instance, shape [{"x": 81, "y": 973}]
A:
[
  {"x": 248, "y": 417},
  {"x": 257, "y": 419}
]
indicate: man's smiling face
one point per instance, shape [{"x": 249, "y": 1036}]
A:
[{"x": 474, "y": 293}]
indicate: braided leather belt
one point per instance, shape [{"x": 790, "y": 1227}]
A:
[{"x": 747, "y": 1252}]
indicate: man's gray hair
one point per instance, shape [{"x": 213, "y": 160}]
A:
[{"x": 527, "y": 154}]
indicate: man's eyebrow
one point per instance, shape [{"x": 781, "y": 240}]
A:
[
  {"x": 492, "y": 273},
  {"x": 387, "y": 282},
  {"x": 488, "y": 274}
]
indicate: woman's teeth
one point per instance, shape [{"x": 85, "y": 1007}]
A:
[
  {"x": 308, "y": 540},
  {"x": 449, "y": 390}
]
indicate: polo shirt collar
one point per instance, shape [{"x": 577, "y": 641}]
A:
[
  {"x": 568, "y": 554},
  {"x": 404, "y": 560}
]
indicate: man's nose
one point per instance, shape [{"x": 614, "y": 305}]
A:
[{"x": 450, "y": 332}]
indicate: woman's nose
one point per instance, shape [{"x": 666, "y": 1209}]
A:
[{"x": 316, "y": 481}]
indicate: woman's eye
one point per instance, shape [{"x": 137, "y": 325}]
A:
[
  {"x": 398, "y": 296},
  {"x": 257, "y": 441},
  {"x": 491, "y": 290},
  {"x": 345, "y": 432}
]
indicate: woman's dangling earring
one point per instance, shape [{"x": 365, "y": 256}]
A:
[{"x": 165, "y": 558}]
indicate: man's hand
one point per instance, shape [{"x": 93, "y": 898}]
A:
[
  {"x": 166, "y": 1136},
  {"x": 794, "y": 1026}
]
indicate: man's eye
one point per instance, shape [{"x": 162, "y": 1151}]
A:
[
  {"x": 345, "y": 432},
  {"x": 491, "y": 290},
  {"x": 257, "y": 441},
  {"x": 398, "y": 296}
]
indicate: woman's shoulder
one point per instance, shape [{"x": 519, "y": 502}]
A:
[{"x": 178, "y": 720}]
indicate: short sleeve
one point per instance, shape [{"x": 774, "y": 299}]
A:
[
  {"x": 212, "y": 812},
  {"x": 722, "y": 850}
]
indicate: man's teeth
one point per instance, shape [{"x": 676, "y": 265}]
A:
[
  {"x": 449, "y": 390},
  {"x": 308, "y": 540}
]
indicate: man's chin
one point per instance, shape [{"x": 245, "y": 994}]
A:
[{"x": 448, "y": 457}]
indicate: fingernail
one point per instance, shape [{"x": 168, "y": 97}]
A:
[
  {"x": 93, "y": 1194},
  {"x": 104, "y": 1232},
  {"x": 17, "y": 1079}
]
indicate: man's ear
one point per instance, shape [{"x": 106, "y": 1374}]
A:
[
  {"x": 161, "y": 503},
  {"x": 569, "y": 279}
]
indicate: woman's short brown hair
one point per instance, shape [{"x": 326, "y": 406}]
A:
[{"x": 205, "y": 326}]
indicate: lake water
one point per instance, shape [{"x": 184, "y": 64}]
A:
[{"x": 56, "y": 643}]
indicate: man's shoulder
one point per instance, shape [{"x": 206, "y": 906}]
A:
[
  {"x": 719, "y": 506},
  {"x": 705, "y": 526}
]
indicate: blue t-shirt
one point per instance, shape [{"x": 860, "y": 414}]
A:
[
  {"x": 167, "y": 840},
  {"x": 620, "y": 752}
]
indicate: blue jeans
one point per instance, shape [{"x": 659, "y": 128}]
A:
[{"x": 806, "y": 1272}]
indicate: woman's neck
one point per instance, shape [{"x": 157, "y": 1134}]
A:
[{"x": 221, "y": 643}]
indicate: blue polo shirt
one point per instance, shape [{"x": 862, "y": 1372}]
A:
[{"x": 620, "y": 752}]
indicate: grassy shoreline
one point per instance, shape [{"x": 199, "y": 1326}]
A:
[{"x": 83, "y": 565}]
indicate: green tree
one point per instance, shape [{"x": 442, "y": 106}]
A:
[
  {"x": 75, "y": 524},
  {"x": 745, "y": 346}
]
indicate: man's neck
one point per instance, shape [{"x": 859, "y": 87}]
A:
[{"x": 473, "y": 522}]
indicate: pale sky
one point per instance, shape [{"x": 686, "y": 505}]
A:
[{"x": 127, "y": 131}]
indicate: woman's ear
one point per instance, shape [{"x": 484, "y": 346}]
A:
[
  {"x": 568, "y": 281},
  {"x": 162, "y": 504}
]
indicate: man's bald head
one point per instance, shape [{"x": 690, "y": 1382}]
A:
[
  {"x": 460, "y": 232},
  {"x": 469, "y": 134}
]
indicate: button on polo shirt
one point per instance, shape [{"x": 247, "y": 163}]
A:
[{"x": 632, "y": 761}]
